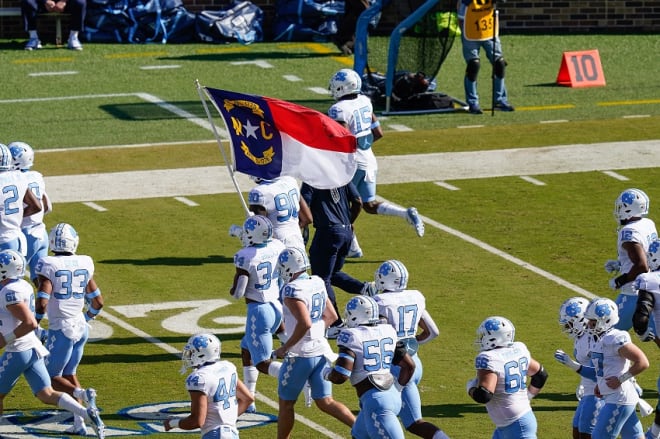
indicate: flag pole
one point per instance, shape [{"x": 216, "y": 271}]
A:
[{"x": 202, "y": 97}]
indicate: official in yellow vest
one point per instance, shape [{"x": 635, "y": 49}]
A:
[{"x": 480, "y": 30}]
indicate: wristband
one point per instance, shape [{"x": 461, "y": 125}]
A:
[
  {"x": 9, "y": 337},
  {"x": 375, "y": 125},
  {"x": 625, "y": 376},
  {"x": 93, "y": 294},
  {"x": 621, "y": 280},
  {"x": 38, "y": 316},
  {"x": 43, "y": 295},
  {"x": 174, "y": 423},
  {"x": 93, "y": 311}
]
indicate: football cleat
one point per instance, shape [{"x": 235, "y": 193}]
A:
[
  {"x": 33, "y": 44},
  {"x": 252, "y": 408},
  {"x": 415, "y": 221},
  {"x": 97, "y": 423},
  {"x": 354, "y": 251},
  {"x": 74, "y": 43}
]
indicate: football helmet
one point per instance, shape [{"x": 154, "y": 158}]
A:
[
  {"x": 495, "y": 332},
  {"x": 12, "y": 265},
  {"x": 631, "y": 203},
  {"x": 571, "y": 316},
  {"x": 5, "y": 158},
  {"x": 345, "y": 82},
  {"x": 604, "y": 312},
  {"x": 22, "y": 155},
  {"x": 63, "y": 238},
  {"x": 292, "y": 260},
  {"x": 257, "y": 230},
  {"x": 653, "y": 255},
  {"x": 199, "y": 350},
  {"x": 361, "y": 310},
  {"x": 392, "y": 275}
]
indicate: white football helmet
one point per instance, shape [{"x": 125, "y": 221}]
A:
[
  {"x": 257, "y": 230},
  {"x": 653, "y": 255},
  {"x": 12, "y": 265},
  {"x": 5, "y": 158},
  {"x": 63, "y": 238},
  {"x": 199, "y": 350},
  {"x": 604, "y": 312},
  {"x": 361, "y": 310},
  {"x": 292, "y": 260},
  {"x": 392, "y": 275},
  {"x": 345, "y": 82},
  {"x": 571, "y": 316},
  {"x": 631, "y": 203},
  {"x": 495, "y": 332},
  {"x": 22, "y": 155}
]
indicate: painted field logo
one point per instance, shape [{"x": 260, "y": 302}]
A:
[{"x": 148, "y": 418}]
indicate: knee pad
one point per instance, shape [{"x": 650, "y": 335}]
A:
[
  {"x": 499, "y": 67},
  {"x": 472, "y": 69},
  {"x": 643, "y": 310}
]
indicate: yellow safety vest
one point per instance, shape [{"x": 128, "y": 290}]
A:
[{"x": 478, "y": 22}]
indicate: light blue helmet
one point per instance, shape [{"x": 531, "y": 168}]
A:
[
  {"x": 392, "y": 275},
  {"x": 6, "y": 160},
  {"x": 495, "y": 332},
  {"x": 12, "y": 265},
  {"x": 22, "y": 155},
  {"x": 63, "y": 238}
]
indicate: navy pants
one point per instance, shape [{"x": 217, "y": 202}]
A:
[
  {"x": 77, "y": 9},
  {"x": 327, "y": 255}
]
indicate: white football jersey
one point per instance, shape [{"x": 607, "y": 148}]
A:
[
  {"x": 509, "y": 402},
  {"x": 380, "y": 343},
  {"x": 12, "y": 191},
  {"x": 642, "y": 232},
  {"x": 312, "y": 292},
  {"x": 357, "y": 115},
  {"x": 35, "y": 182},
  {"x": 261, "y": 264},
  {"x": 16, "y": 292},
  {"x": 69, "y": 275},
  {"x": 607, "y": 361},
  {"x": 218, "y": 382},
  {"x": 403, "y": 310},
  {"x": 583, "y": 356},
  {"x": 281, "y": 199}
]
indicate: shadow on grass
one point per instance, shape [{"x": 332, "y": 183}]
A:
[
  {"x": 171, "y": 261},
  {"x": 459, "y": 410},
  {"x": 145, "y": 111}
]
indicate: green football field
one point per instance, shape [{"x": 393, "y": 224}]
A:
[{"x": 499, "y": 245}]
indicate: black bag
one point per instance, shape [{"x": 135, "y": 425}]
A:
[{"x": 242, "y": 22}]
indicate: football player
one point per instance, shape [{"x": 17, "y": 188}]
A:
[
  {"x": 256, "y": 280},
  {"x": 635, "y": 234},
  {"x": 616, "y": 360},
  {"x": 217, "y": 396},
  {"x": 23, "y": 352},
  {"x": 70, "y": 296},
  {"x": 33, "y": 226},
  {"x": 376, "y": 387},
  {"x": 307, "y": 314},
  {"x": 647, "y": 286},
  {"x": 574, "y": 324},
  {"x": 354, "y": 110},
  {"x": 503, "y": 366},
  {"x": 18, "y": 203},
  {"x": 405, "y": 310},
  {"x": 279, "y": 200}
]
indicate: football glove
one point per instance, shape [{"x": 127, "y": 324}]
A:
[
  {"x": 612, "y": 266},
  {"x": 566, "y": 360},
  {"x": 236, "y": 231},
  {"x": 648, "y": 335}
]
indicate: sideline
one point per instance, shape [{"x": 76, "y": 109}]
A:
[{"x": 211, "y": 180}]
